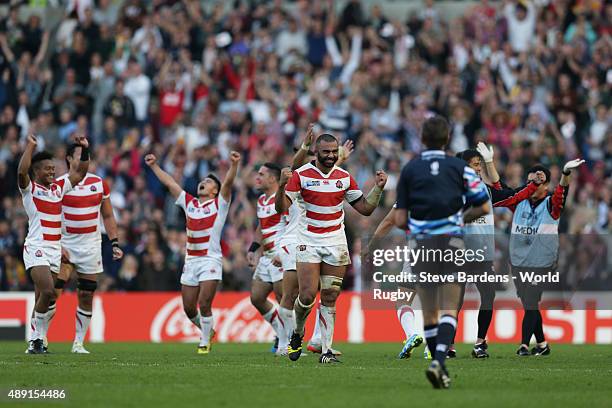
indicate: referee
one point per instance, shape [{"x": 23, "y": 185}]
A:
[
  {"x": 534, "y": 247},
  {"x": 431, "y": 194}
]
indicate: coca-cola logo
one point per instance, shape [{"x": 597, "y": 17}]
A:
[{"x": 239, "y": 323}]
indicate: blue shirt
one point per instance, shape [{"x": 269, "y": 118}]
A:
[{"x": 434, "y": 188}]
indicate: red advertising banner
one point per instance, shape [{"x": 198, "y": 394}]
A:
[{"x": 159, "y": 317}]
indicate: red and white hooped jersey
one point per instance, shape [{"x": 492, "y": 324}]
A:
[
  {"x": 81, "y": 211},
  {"x": 321, "y": 198},
  {"x": 271, "y": 223},
  {"x": 292, "y": 219},
  {"x": 44, "y": 208},
  {"x": 205, "y": 220}
]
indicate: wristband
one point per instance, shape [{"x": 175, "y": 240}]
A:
[
  {"x": 115, "y": 243},
  {"x": 566, "y": 173},
  {"x": 374, "y": 195},
  {"x": 84, "y": 153},
  {"x": 254, "y": 246}
]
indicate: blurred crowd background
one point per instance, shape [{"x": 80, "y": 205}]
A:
[{"x": 191, "y": 80}]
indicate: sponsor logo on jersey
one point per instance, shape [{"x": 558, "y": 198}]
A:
[
  {"x": 525, "y": 230},
  {"x": 325, "y": 183},
  {"x": 313, "y": 183}
]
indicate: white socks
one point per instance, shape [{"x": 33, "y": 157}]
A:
[
  {"x": 316, "y": 334},
  {"x": 327, "y": 320},
  {"x": 288, "y": 320},
  {"x": 40, "y": 326},
  {"x": 206, "y": 325},
  {"x": 83, "y": 318},
  {"x": 273, "y": 317},
  {"x": 405, "y": 315}
]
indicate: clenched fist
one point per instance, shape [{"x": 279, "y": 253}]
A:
[
  {"x": 150, "y": 159},
  {"x": 381, "y": 179}
]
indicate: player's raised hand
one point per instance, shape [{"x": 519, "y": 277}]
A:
[
  {"x": 150, "y": 159},
  {"x": 31, "y": 140},
  {"x": 235, "y": 157},
  {"x": 381, "y": 178},
  {"x": 572, "y": 164},
  {"x": 285, "y": 175},
  {"x": 117, "y": 253},
  {"x": 346, "y": 150},
  {"x": 309, "y": 138},
  {"x": 485, "y": 151},
  {"x": 82, "y": 140}
]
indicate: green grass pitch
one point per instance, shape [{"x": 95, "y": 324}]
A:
[{"x": 247, "y": 375}]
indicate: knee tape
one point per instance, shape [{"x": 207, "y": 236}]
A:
[
  {"x": 86, "y": 284},
  {"x": 310, "y": 306},
  {"x": 331, "y": 282}
]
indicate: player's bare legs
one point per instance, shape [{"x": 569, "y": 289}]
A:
[
  {"x": 86, "y": 286},
  {"x": 207, "y": 292},
  {"x": 405, "y": 315},
  {"x": 289, "y": 295},
  {"x": 259, "y": 298},
  {"x": 190, "y": 294},
  {"x": 308, "y": 282},
  {"x": 43, "y": 282},
  {"x": 308, "y": 275},
  {"x": 331, "y": 284},
  {"x": 50, "y": 311}
]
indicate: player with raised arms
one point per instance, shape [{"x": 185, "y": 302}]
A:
[
  {"x": 288, "y": 243},
  {"x": 205, "y": 215},
  {"x": 82, "y": 241},
  {"x": 534, "y": 247},
  {"x": 42, "y": 198},
  {"x": 319, "y": 189},
  {"x": 480, "y": 236}
]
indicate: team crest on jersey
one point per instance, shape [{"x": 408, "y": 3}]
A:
[
  {"x": 339, "y": 184},
  {"x": 93, "y": 188},
  {"x": 38, "y": 254},
  {"x": 302, "y": 248},
  {"x": 313, "y": 183}
]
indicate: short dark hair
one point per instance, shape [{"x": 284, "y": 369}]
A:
[
  {"x": 274, "y": 169},
  {"x": 70, "y": 151},
  {"x": 540, "y": 167},
  {"x": 37, "y": 158},
  {"x": 216, "y": 180},
  {"x": 435, "y": 132},
  {"x": 468, "y": 155},
  {"x": 326, "y": 137}
]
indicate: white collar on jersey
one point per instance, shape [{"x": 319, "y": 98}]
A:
[
  {"x": 268, "y": 198},
  {"x": 433, "y": 153},
  {"x": 320, "y": 172}
]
